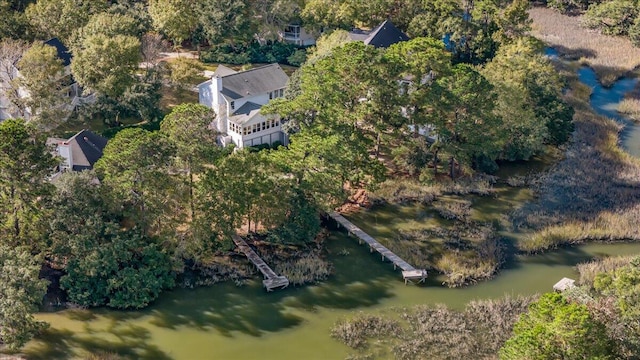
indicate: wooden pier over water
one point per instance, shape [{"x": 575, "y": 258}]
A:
[
  {"x": 271, "y": 279},
  {"x": 409, "y": 273}
]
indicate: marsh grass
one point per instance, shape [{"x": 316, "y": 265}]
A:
[
  {"x": 630, "y": 108},
  {"x": 610, "y": 57},
  {"x": 300, "y": 264},
  {"x": 592, "y": 194},
  {"x": 589, "y": 270},
  {"x": 402, "y": 191},
  {"x": 407, "y": 190},
  {"x": 437, "y": 332},
  {"x": 453, "y": 210},
  {"x": 465, "y": 252},
  {"x": 354, "y": 332}
]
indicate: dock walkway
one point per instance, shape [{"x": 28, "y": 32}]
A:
[
  {"x": 271, "y": 279},
  {"x": 408, "y": 272}
]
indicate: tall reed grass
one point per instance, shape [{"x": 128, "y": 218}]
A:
[
  {"x": 592, "y": 194},
  {"x": 611, "y": 57},
  {"x": 437, "y": 332},
  {"x": 589, "y": 270},
  {"x": 630, "y": 108}
]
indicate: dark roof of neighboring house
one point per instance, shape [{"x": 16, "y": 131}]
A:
[
  {"x": 63, "y": 51},
  {"x": 86, "y": 149},
  {"x": 383, "y": 36},
  {"x": 254, "y": 81}
]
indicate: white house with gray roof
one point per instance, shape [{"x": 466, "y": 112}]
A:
[{"x": 237, "y": 97}]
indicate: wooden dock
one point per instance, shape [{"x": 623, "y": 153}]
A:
[
  {"x": 409, "y": 273},
  {"x": 271, "y": 279}
]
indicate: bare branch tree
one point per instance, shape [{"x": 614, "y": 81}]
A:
[
  {"x": 152, "y": 46},
  {"x": 11, "y": 52}
]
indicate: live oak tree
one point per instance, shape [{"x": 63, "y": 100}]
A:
[
  {"x": 106, "y": 64},
  {"x": 21, "y": 292},
  {"x": 14, "y": 24},
  {"x": 226, "y": 20},
  {"x": 120, "y": 268},
  {"x": 135, "y": 165},
  {"x": 177, "y": 19},
  {"x": 59, "y": 18},
  {"x": 25, "y": 163},
  {"x": 43, "y": 77},
  {"x": 530, "y": 99}
]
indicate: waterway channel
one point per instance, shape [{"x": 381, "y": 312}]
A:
[{"x": 228, "y": 322}]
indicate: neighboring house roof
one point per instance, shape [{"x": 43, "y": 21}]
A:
[
  {"x": 86, "y": 148},
  {"x": 383, "y": 36},
  {"x": 254, "y": 81},
  {"x": 245, "y": 113},
  {"x": 63, "y": 51},
  {"x": 222, "y": 70}
]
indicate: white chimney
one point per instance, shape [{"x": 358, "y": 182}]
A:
[{"x": 216, "y": 93}]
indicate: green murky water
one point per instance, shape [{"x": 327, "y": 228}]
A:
[{"x": 227, "y": 322}]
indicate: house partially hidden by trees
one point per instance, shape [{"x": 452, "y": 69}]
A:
[
  {"x": 296, "y": 34},
  {"x": 16, "y": 87},
  {"x": 383, "y": 36},
  {"x": 236, "y": 98},
  {"x": 80, "y": 152}
]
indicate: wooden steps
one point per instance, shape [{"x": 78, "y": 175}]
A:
[
  {"x": 409, "y": 273},
  {"x": 271, "y": 279}
]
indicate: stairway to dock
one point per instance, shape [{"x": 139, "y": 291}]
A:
[
  {"x": 409, "y": 273},
  {"x": 271, "y": 279}
]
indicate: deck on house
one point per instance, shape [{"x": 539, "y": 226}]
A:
[
  {"x": 409, "y": 272},
  {"x": 271, "y": 279}
]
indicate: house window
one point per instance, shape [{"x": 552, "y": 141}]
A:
[
  {"x": 281, "y": 93},
  {"x": 255, "y": 128},
  {"x": 233, "y": 105},
  {"x": 270, "y": 95},
  {"x": 268, "y": 124},
  {"x": 263, "y": 126},
  {"x": 277, "y": 122}
]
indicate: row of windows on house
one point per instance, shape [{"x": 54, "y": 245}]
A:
[
  {"x": 250, "y": 129},
  {"x": 276, "y": 94}
]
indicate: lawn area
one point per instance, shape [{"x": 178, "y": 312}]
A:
[{"x": 172, "y": 96}]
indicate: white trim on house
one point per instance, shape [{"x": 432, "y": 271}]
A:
[{"x": 237, "y": 97}]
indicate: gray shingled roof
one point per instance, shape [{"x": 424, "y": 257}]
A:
[
  {"x": 222, "y": 70},
  {"x": 383, "y": 36},
  {"x": 254, "y": 81},
  {"x": 86, "y": 149},
  {"x": 245, "y": 112}
]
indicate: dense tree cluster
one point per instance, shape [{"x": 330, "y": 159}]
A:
[{"x": 374, "y": 99}]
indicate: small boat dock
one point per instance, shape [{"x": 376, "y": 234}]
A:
[
  {"x": 271, "y": 279},
  {"x": 409, "y": 273}
]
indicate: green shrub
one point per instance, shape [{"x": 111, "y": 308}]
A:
[{"x": 270, "y": 52}]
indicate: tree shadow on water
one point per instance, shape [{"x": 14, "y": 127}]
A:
[{"x": 125, "y": 339}]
